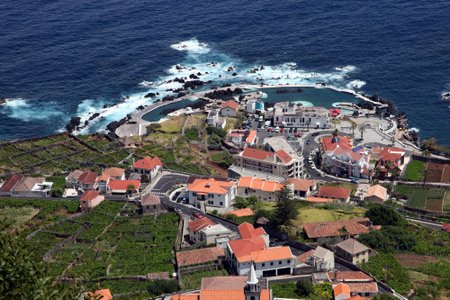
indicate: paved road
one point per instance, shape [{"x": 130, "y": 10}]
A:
[{"x": 166, "y": 182}]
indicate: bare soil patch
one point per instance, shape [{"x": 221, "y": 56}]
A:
[{"x": 414, "y": 260}]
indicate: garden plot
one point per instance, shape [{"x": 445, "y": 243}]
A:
[{"x": 430, "y": 199}]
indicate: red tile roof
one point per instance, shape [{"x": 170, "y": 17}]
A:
[
  {"x": 244, "y": 212},
  {"x": 104, "y": 294},
  {"x": 150, "y": 199},
  {"x": 303, "y": 185},
  {"x": 199, "y": 256},
  {"x": 147, "y": 163},
  {"x": 363, "y": 287},
  {"x": 247, "y": 231},
  {"x": 333, "y": 192},
  {"x": 256, "y": 153},
  {"x": 10, "y": 183},
  {"x": 304, "y": 257},
  {"x": 446, "y": 227},
  {"x": 341, "y": 289},
  {"x": 210, "y": 185},
  {"x": 89, "y": 195},
  {"x": 330, "y": 143},
  {"x": 268, "y": 254},
  {"x": 231, "y": 104},
  {"x": 199, "y": 224},
  {"x": 251, "y": 136},
  {"x": 284, "y": 156},
  {"x": 121, "y": 185},
  {"x": 332, "y": 229},
  {"x": 349, "y": 276},
  {"x": 259, "y": 184},
  {"x": 88, "y": 177},
  {"x": 242, "y": 248}
]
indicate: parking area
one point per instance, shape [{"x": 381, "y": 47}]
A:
[{"x": 167, "y": 181}]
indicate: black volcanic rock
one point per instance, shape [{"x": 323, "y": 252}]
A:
[
  {"x": 95, "y": 115},
  {"x": 149, "y": 95},
  {"x": 193, "y": 84},
  {"x": 73, "y": 124},
  {"x": 168, "y": 98},
  {"x": 193, "y": 76}
]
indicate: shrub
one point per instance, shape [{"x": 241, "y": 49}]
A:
[
  {"x": 304, "y": 288},
  {"x": 216, "y": 131},
  {"x": 383, "y": 215}
]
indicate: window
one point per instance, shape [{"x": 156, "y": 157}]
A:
[
  {"x": 289, "y": 261},
  {"x": 194, "y": 193},
  {"x": 211, "y": 202},
  {"x": 221, "y": 203},
  {"x": 263, "y": 265},
  {"x": 280, "y": 262},
  {"x": 210, "y": 195},
  {"x": 252, "y": 298},
  {"x": 271, "y": 263}
]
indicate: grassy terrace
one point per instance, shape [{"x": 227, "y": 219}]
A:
[
  {"x": 415, "y": 171},
  {"x": 113, "y": 241},
  {"x": 425, "y": 198},
  {"x": 58, "y": 154}
]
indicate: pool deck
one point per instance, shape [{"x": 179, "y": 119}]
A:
[{"x": 137, "y": 126}]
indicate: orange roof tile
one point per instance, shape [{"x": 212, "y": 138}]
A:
[
  {"x": 259, "y": 184},
  {"x": 318, "y": 199},
  {"x": 332, "y": 229},
  {"x": 446, "y": 227},
  {"x": 150, "y": 199},
  {"x": 330, "y": 143},
  {"x": 304, "y": 257},
  {"x": 210, "y": 185},
  {"x": 122, "y": 185},
  {"x": 111, "y": 172},
  {"x": 199, "y": 224},
  {"x": 284, "y": 156},
  {"x": 89, "y": 195},
  {"x": 377, "y": 191},
  {"x": 244, "y": 247},
  {"x": 104, "y": 294},
  {"x": 88, "y": 177},
  {"x": 186, "y": 297},
  {"x": 333, "y": 192},
  {"x": 301, "y": 184},
  {"x": 268, "y": 254},
  {"x": 341, "y": 289},
  {"x": 251, "y": 136},
  {"x": 244, "y": 212},
  {"x": 199, "y": 256},
  {"x": 349, "y": 276},
  {"x": 147, "y": 163},
  {"x": 230, "y": 103},
  {"x": 247, "y": 231},
  {"x": 256, "y": 153},
  {"x": 363, "y": 287},
  {"x": 11, "y": 182}
]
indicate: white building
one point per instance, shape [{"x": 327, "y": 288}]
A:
[
  {"x": 296, "y": 115},
  {"x": 148, "y": 166},
  {"x": 213, "y": 119},
  {"x": 322, "y": 259},
  {"x": 211, "y": 192},
  {"x": 253, "y": 249},
  {"x": 206, "y": 232},
  {"x": 229, "y": 108}
]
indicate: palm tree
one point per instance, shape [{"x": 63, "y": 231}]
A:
[
  {"x": 308, "y": 123},
  {"x": 130, "y": 189}
]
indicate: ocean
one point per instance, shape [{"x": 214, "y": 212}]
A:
[{"x": 65, "y": 58}]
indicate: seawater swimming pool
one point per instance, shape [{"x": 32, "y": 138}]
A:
[{"x": 309, "y": 96}]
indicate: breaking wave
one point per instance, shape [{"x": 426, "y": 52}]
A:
[
  {"x": 28, "y": 111},
  {"x": 207, "y": 64}
]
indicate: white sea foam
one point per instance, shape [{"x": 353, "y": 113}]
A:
[
  {"x": 414, "y": 129},
  {"x": 22, "y": 109},
  {"x": 192, "y": 45},
  {"x": 209, "y": 65},
  {"x": 355, "y": 84}
]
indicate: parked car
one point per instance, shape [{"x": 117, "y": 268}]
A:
[
  {"x": 315, "y": 134},
  {"x": 277, "y": 129},
  {"x": 308, "y": 142},
  {"x": 198, "y": 215}
]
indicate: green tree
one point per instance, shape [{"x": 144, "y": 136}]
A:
[
  {"x": 304, "y": 288},
  {"x": 383, "y": 215},
  {"x": 131, "y": 189},
  {"x": 324, "y": 291},
  {"x": 21, "y": 277},
  {"x": 285, "y": 209}
]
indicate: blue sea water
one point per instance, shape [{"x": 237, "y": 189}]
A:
[{"x": 63, "y": 58}]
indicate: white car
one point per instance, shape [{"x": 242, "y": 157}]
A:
[{"x": 277, "y": 129}]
